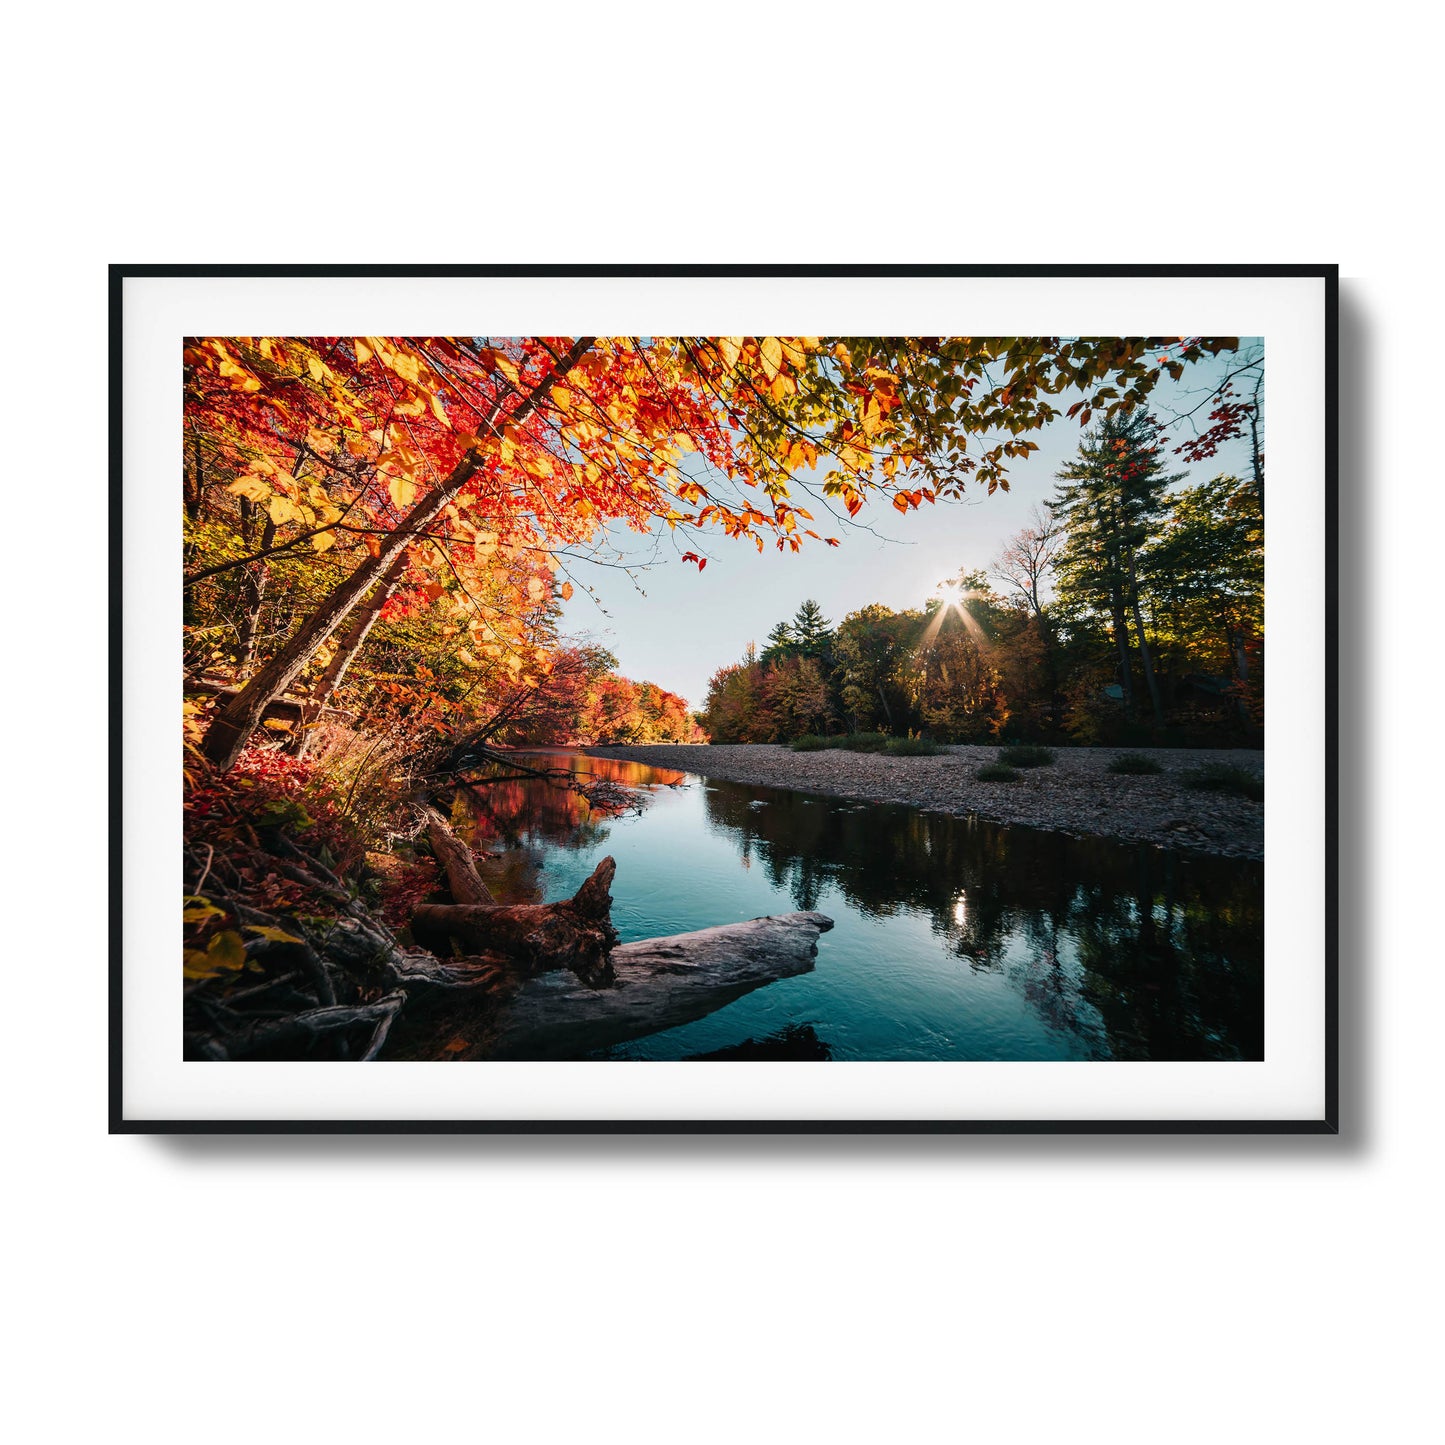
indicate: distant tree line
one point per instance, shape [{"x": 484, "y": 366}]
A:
[{"x": 1130, "y": 610}]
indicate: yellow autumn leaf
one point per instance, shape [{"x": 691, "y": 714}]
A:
[
  {"x": 793, "y": 351},
  {"x": 276, "y": 935},
  {"x": 772, "y": 354},
  {"x": 402, "y": 490},
  {"x": 252, "y": 488},
  {"x": 405, "y": 365},
  {"x": 282, "y": 510},
  {"x": 225, "y": 953},
  {"x": 728, "y": 348},
  {"x": 363, "y": 351},
  {"x": 323, "y": 541}
]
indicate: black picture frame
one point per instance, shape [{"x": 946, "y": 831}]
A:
[{"x": 1329, "y": 1120}]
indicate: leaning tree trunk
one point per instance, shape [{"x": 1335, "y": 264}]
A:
[
  {"x": 234, "y": 724},
  {"x": 349, "y": 644},
  {"x": 357, "y": 629}
]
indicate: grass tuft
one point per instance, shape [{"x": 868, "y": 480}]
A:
[
  {"x": 1134, "y": 763},
  {"x": 1026, "y": 755},
  {"x": 812, "y": 743},
  {"x": 1224, "y": 778},
  {"x": 864, "y": 742},
  {"x": 912, "y": 748},
  {"x": 996, "y": 773}
]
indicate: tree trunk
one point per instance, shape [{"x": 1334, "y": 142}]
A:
[
  {"x": 1145, "y": 658},
  {"x": 659, "y": 983},
  {"x": 1256, "y": 457},
  {"x": 356, "y": 630},
  {"x": 887, "y": 711},
  {"x": 1241, "y": 672},
  {"x": 232, "y": 727},
  {"x": 576, "y": 933},
  {"x": 1121, "y": 641},
  {"x": 198, "y": 484},
  {"x": 253, "y": 594},
  {"x": 349, "y": 644}
]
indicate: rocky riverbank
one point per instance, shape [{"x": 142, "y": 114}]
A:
[{"x": 1075, "y": 794}]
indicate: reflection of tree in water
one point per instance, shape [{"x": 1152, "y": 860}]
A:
[
  {"x": 1137, "y": 952},
  {"x": 511, "y": 819}
]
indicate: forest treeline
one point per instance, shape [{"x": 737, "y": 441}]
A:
[{"x": 1129, "y": 611}]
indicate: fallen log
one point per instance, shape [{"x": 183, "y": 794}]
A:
[
  {"x": 657, "y": 984},
  {"x": 456, "y": 859},
  {"x": 575, "y": 934}
]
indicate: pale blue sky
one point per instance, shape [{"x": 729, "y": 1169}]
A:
[{"x": 676, "y": 626}]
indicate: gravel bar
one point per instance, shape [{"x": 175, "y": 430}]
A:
[{"x": 1076, "y": 794}]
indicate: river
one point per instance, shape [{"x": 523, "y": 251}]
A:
[{"x": 953, "y": 938}]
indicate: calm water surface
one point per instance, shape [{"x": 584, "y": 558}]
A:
[{"x": 953, "y": 938}]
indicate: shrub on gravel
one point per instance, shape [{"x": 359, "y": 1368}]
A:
[
  {"x": 1224, "y": 778},
  {"x": 912, "y": 748},
  {"x": 1026, "y": 756},
  {"x": 996, "y": 773},
  {"x": 1134, "y": 763},
  {"x": 812, "y": 743},
  {"x": 864, "y": 742}
]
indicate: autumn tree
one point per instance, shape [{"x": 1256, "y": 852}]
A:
[{"x": 868, "y": 646}]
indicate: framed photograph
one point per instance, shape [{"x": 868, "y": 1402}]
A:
[{"x": 709, "y": 699}]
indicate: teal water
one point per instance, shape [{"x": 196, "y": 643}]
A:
[{"x": 953, "y": 938}]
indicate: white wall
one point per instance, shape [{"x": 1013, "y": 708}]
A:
[{"x": 1025, "y": 1289}]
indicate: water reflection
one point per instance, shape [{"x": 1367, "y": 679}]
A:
[
  {"x": 1138, "y": 952},
  {"x": 954, "y": 938},
  {"x": 513, "y": 818}
]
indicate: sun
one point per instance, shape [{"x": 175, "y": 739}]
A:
[{"x": 952, "y": 595}]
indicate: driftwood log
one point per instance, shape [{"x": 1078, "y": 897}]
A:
[
  {"x": 456, "y": 859},
  {"x": 658, "y": 983},
  {"x": 575, "y": 934}
]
